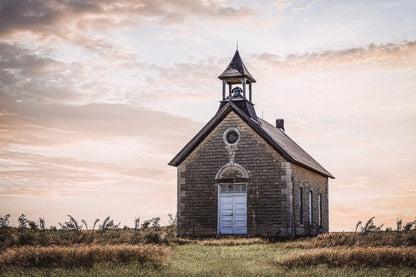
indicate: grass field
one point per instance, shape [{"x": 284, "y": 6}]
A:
[
  {"x": 241, "y": 257},
  {"x": 154, "y": 250}
]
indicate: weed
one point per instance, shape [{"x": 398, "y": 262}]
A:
[
  {"x": 108, "y": 224},
  {"x": 4, "y": 221}
]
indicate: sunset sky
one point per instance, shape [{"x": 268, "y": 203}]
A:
[{"x": 96, "y": 97}]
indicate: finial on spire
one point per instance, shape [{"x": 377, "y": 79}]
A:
[{"x": 237, "y": 45}]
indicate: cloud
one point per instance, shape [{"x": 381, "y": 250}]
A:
[
  {"x": 29, "y": 124},
  {"x": 298, "y": 9},
  {"x": 66, "y": 19},
  {"x": 29, "y": 76},
  {"x": 45, "y": 106},
  {"x": 36, "y": 77},
  {"x": 307, "y": 7},
  {"x": 282, "y": 4},
  {"x": 390, "y": 55},
  {"x": 51, "y": 151},
  {"x": 104, "y": 123},
  {"x": 41, "y": 176}
]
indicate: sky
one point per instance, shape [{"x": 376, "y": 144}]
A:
[{"x": 96, "y": 97}]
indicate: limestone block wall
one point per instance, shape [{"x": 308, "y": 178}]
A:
[
  {"x": 272, "y": 182},
  {"x": 268, "y": 187},
  {"x": 317, "y": 184}
]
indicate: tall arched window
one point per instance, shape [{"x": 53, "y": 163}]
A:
[
  {"x": 300, "y": 206},
  {"x": 320, "y": 209},
  {"x": 232, "y": 181},
  {"x": 310, "y": 208}
]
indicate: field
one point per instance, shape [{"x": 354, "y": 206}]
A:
[
  {"x": 195, "y": 259},
  {"x": 211, "y": 257},
  {"x": 153, "y": 250}
]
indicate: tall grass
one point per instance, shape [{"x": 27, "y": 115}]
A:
[
  {"x": 196, "y": 260},
  {"x": 364, "y": 239},
  {"x": 84, "y": 255},
  {"x": 15, "y": 237},
  {"x": 359, "y": 256},
  {"x": 29, "y": 233},
  {"x": 31, "y": 244}
]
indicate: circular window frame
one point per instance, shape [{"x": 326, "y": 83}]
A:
[{"x": 229, "y": 130}]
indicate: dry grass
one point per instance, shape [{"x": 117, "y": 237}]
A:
[
  {"x": 217, "y": 258},
  {"x": 370, "y": 239},
  {"x": 13, "y": 237},
  {"x": 194, "y": 259},
  {"x": 84, "y": 255},
  {"x": 358, "y": 256}
]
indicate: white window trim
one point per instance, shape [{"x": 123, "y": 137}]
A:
[{"x": 224, "y": 136}]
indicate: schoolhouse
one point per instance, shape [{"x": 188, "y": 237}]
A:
[{"x": 241, "y": 175}]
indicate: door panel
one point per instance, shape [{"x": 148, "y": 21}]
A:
[
  {"x": 240, "y": 214},
  {"x": 233, "y": 214},
  {"x": 226, "y": 218}
]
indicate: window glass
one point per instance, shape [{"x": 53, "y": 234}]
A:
[
  {"x": 320, "y": 209},
  {"x": 300, "y": 206},
  {"x": 233, "y": 188},
  {"x": 310, "y": 207}
]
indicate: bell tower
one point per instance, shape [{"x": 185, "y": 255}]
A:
[{"x": 236, "y": 84}]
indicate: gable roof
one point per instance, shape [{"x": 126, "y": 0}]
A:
[
  {"x": 236, "y": 69},
  {"x": 275, "y": 137}
]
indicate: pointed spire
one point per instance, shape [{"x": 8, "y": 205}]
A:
[{"x": 236, "y": 70}]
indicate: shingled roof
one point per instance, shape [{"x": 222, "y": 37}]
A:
[
  {"x": 236, "y": 69},
  {"x": 275, "y": 137}
]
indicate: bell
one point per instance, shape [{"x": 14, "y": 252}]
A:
[{"x": 236, "y": 92}]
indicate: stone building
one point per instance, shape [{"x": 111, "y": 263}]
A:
[{"x": 242, "y": 175}]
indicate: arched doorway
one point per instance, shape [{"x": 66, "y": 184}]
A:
[{"x": 232, "y": 199}]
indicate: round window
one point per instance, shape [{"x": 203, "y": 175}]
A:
[{"x": 231, "y": 136}]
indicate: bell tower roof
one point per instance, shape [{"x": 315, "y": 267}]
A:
[
  {"x": 235, "y": 71},
  {"x": 237, "y": 78}
]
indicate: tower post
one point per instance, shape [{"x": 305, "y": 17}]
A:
[
  {"x": 223, "y": 89},
  {"x": 249, "y": 91},
  {"x": 243, "y": 82}
]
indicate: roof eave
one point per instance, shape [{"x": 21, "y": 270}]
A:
[
  {"x": 236, "y": 79},
  {"x": 328, "y": 175},
  {"x": 194, "y": 142}
]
